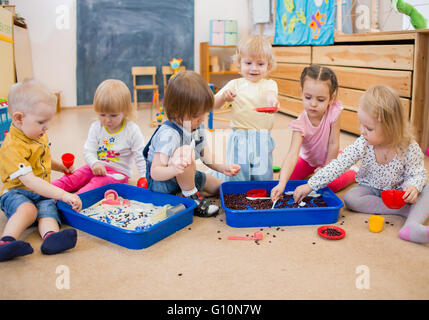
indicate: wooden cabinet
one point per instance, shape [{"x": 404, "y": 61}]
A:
[
  {"x": 216, "y": 61},
  {"x": 7, "y": 72},
  {"x": 397, "y": 59}
]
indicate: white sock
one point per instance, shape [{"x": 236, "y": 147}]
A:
[{"x": 189, "y": 192}]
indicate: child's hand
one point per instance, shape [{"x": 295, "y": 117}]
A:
[
  {"x": 69, "y": 170},
  {"x": 277, "y": 191},
  {"x": 411, "y": 194},
  {"x": 98, "y": 169},
  {"x": 301, "y": 192},
  {"x": 228, "y": 95},
  {"x": 231, "y": 169},
  {"x": 73, "y": 200},
  {"x": 182, "y": 158},
  {"x": 272, "y": 101},
  {"x": 179, "y": 165}
]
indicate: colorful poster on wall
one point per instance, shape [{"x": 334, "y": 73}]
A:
[{"x": 304, "y": 22}]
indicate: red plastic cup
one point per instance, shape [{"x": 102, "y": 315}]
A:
[
  {"x": 68, "y": 160},
  {"x": 393, "y": 198}
]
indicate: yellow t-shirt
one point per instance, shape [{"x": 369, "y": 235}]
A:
[
  {"x": 250, "y": 95},
  {"x": 20, "y": 155}
]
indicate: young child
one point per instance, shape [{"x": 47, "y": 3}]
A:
[
  {"x": 179, "y": 142},
  {"x": 25, "y": 170},
  {"x": 316, "y": 132},
  {"x": 113, "y": 142},
  {"x": 250, "y": 144},
  {"x": 390, "y": 159}
]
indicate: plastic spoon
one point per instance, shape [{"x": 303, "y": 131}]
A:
[
  {"x": 116, "y": 176},
  {"x": 227, "y": 104},
  {"x": 258, "y": 198},
  {"x": 274, "y": 203},
  {"x": 256, "y": 236}
]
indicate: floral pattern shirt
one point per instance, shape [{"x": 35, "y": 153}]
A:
[{"x": 402, "y": 170}]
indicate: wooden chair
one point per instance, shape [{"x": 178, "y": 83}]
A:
[
  {"x": 168, "y": 71},
  {"x": 144, "y": 71}
]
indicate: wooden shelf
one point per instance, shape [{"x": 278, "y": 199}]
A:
[
  {"x": 7, "y": 74},
  {"x": 205, "y": 55}
]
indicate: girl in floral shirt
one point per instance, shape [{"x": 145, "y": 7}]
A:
[{"x": 390, "y": 159}]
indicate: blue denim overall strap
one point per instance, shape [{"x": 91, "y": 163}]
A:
[{"x": 173, "y": 126}]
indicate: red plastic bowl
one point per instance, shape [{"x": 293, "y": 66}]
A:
[
  {"x": 256, "y": 193},
  {"x": 393, "y": 198},
  {"x": 323, "y": 234}
]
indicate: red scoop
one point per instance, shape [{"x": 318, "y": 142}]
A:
[
  {"x": 267, "y": 109},
  {"x": 142, "y": 183},
  {"x": 257, "y": 193},
  {"x": 256, "y": 236}
]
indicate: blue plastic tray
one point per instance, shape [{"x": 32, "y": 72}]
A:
[
  {"x": 129, "y": 238},
  {"x": 278, "y": 217},
  {"x": 5, "y": 122}
]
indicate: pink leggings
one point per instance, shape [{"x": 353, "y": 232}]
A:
[
  {"x": 84, "y": 180},
  {"x": 303, "y": 170}
]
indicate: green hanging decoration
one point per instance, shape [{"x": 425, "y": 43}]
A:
[{"x": 417, "y": 19}]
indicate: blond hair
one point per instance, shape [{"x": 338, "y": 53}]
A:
[
  {"x": 113, "y": 96},
  {"x": 383, "y": 103},
  {"x": 255, "y": 46},
  {"x": 187, "y": 96},
  {"x": 24, "y": 96}
]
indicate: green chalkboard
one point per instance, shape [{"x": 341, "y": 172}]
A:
[{"x": 112, "y": 36}]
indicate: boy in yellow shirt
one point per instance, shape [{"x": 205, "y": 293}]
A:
[{"x": 26, "y": 195}]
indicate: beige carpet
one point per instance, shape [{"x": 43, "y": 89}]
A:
[{"x": 198, "y": 262}]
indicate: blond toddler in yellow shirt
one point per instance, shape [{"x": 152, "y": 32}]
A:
[
  {"x": 250, "y": 143},
  {"x": 26, "y": 195}
]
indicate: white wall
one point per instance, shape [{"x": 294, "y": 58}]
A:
[
  {"x": 54, "y": 48},
  {"x": 206, "y": 10},
  {"x": 52, "y": 29}
]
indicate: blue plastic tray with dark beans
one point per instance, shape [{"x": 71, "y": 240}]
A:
[{"x": 282, "y": 216}]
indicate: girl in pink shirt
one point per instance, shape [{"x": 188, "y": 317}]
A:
[{"x": 316, "y": 132}]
